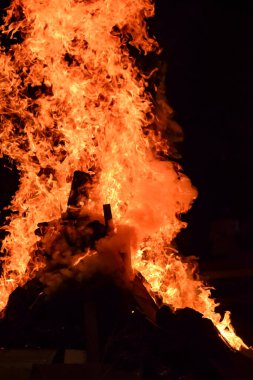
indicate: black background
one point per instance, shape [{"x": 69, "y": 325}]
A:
[{"x": 208, "y": 46}]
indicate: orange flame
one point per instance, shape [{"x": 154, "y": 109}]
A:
[{"x": 72, "y": 98}]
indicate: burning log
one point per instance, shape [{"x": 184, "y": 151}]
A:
[
  {"x": 79, "y": 188},
  {"x": 75, "y": 239},
  {"x": 108, "y": 217}
]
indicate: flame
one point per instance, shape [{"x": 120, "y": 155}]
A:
[{"x": 73, "y": 98}]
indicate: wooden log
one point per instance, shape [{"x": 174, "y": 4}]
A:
[
  {"x": 79, "y": 194},
  {"x": 108, "y": 217}
]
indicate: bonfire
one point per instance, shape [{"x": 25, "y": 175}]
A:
[{"x": 74, "y": 98}]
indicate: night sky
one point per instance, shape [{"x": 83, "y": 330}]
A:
[{"x": 208, "y": 48}]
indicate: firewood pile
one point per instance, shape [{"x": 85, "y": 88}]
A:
[{"x": 124, "y": 332}]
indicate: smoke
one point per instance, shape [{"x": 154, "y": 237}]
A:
[{"x": 77, "y": 251}]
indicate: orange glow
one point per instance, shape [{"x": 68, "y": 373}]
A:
[{"x": 72, "y": 98}]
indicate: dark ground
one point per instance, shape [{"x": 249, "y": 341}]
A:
[{"x": 208, "y": 48}]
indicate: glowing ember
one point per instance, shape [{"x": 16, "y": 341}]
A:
[{"x": 72, "y": 98}]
